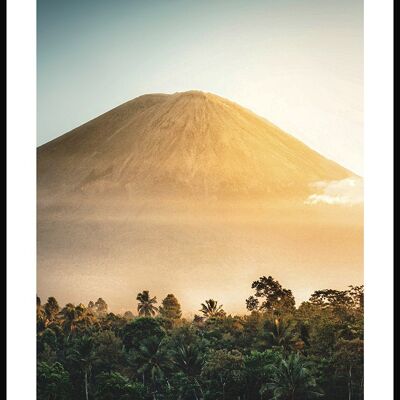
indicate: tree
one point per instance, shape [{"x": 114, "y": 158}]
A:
[
  {"x": 357, "y": 295},
  {"x": 82, "y": 354},
  {"x": 198, "y": 320},
  {"x": 40, "y": 316},
  {"x": 224, "y": 370},
  {"x": 170, "y": 308},
  {"x": 91, "y": 306},
  {"x": 345, "y": 304},
  {"x": 188, "y": 360},
  {"x": 47, "y": 346},
  {"x": 113, "y": 385},
  {"x": 255, "y": 370},
  {"x": 52, "y": 381},
  {"x": 151, "y": 358},
  {"x": 146, "y": 305},
  {"x": 252, "y": 303},
  {"x": 211, "y": 309},
  {"x": 108, "y": 351},
  {"x": 253, "y": 327},
  {"x": 349, "y": 360},
  {"x": 140, "y": 329},
  {"x": 280, "y": 333},
  {"x": 276, "y": 300},
  {"x": 101, "y": 307},
  {"x": 76, "y": 318},
  {"x": 51, "y": 308},
  {"x": 68, "y": 318},
  {"x": 86, "y": 319},
  {"x": 113, "y": 322},
  {"x": 128, "y": 315},
  {"x": 290, "y": 380},
  {"x": 338, "y": 302}
]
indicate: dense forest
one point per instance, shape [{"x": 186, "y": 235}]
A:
[{"x": 276, "y": 351}]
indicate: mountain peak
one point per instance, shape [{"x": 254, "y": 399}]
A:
[
  {"x": 194, "y": 93},
  {"x": 183, "y": 144}
]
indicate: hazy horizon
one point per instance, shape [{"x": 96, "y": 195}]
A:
[{"x": 194, "y": 195}]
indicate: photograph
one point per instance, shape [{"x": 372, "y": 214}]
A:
[
  {"x": 198, "y": 200},
  {"x": 200, "y": 227}
]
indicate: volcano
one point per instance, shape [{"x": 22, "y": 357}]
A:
[
  {"x": 186, "y": 144},
  {"x": 190, "y": 194}
]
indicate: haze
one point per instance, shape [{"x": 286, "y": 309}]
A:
[{"x": 192, "y": 194}]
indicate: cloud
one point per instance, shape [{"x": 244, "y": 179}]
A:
[{"x": 347, "y": 191}]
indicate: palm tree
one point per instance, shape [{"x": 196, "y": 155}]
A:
[
  {"x": 83, "y": 355},
  {"x": 211, "y": 309},
  {"x": 146, "y": 305},
  {"x": 76, "y": 318},
  {"x": 51, "y": 308},
  {"x": 69, "y": 315},
  {"x": 152, "y": 360},
  {"x": 189, "y": 360},
  {"x": 291, "y": 380},
  {"x": 41, "y": 321},
  {"x": 280, "y": 333},
  {"x": 85, "y": 318}
]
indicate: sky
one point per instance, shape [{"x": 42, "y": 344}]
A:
[{"x": 298, "y": 63}]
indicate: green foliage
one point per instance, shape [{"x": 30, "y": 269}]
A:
[
  {"x": 211, "y": 309},
  {"x": 170, "y": 309},
  {"x": 256, "y": 370},
  {"x": 280, "y": 333},
  {"x": 274, "y": 352},
  {"x": 151, "y": 360},
  {"x": 291, "y": 379},
  {"x": 113, "y": 385},
  {"x": 223, "y": 371},
  {"x": 52, "y": 381},
  {"x": 139, "y": 330},
  {"x": 101, "y": 306},
  {"x": 349, "y": 360},
  {"x": 146, "y": 307},
  {"x": 276, "y": 300},
  {"x": 108, "y": 351}
]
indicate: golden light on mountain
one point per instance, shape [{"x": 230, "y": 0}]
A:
[{"x": 194, "y": 195}]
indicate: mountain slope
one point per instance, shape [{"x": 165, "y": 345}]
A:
[
  {"x": 124, "y": 204},
  {"x": 191, "y": 143}
]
